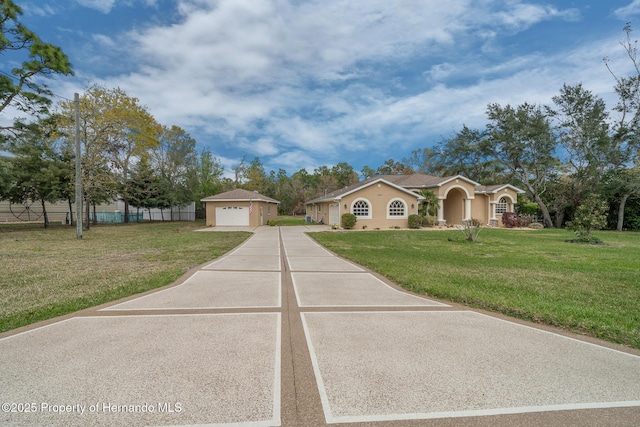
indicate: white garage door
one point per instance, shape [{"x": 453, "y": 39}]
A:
[{"x": 232, "y": 215}]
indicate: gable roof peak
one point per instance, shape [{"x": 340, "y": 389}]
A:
[
  {"x": 240, "y": 194},
  {"x": 338, "y": 194}
]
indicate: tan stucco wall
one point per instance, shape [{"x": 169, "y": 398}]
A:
[
  {"x": 453, "y": 195},
  {"x": 269, "y": 211},
  {"x": 465, "y": 187},
  {"x": 455, "y": 192},
  {"x": 320, "y": 213},
  {"x": 379, "y": 195},
  {"x": 512, "y": 198},
  {"x": 480, "y": 208}
]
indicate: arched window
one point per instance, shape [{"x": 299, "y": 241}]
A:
[
  {"x": 397, "y": 208},
  {"x": 501, "y": 206},
  {"x": 361, "y": 208}
]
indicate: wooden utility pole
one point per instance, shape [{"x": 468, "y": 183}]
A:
[{"x": 76, "y": 101}]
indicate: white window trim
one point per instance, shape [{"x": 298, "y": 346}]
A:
[
  {"x": 370, "y": 215},
  {"x": 499, "y": 204},
  {"x": 406, "y": 209}
]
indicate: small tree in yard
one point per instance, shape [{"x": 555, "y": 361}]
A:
[
  {"x": 430, "y": 202},
  {"x": 470, "y": 228},
  {"x": 590, "y": 215}
]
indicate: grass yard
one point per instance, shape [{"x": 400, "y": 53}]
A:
[
  {"x": 47, "y": 273},
  {"x": 533, "y": 275},
  {"x": 290, "y": 220}
]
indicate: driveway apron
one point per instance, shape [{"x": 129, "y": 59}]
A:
[{"x": 281, "y": 331}]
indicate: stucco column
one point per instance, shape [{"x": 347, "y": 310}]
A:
[
  {"x": 441, "y": 220},
  {"x": 467, "y": 209},
  {"x": 493, "y": 210}
]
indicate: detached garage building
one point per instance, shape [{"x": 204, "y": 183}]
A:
[{"x": 240, "y": 208}]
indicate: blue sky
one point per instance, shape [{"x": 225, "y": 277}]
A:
[{"x": 301, "y": 84}]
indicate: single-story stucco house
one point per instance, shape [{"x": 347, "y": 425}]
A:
[
  {"x": 386, "y": 201},
  {"x": 240, "y": 208}
]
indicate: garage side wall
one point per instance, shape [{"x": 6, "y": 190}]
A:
[
  {"x": 210, "y": 214},
  {"x": 262, "y": 213}
]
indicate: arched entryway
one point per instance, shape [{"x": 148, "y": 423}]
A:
[{"x": 453, "y": 206}]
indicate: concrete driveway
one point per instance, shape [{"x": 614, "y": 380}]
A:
[{"x": 282, "y": 332}]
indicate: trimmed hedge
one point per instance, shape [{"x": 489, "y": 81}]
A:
[
  {"x": 415, "y": 221},
  {"x": 418, "y": 221},
  {"x": 348, "y": 221}
]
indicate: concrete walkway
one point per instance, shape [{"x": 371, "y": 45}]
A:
[{"x": 282, "y": 332}]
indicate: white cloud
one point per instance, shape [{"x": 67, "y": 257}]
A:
[
  {"x": 294, "y": 160},
  {"x": 443, "y": 109},
  {"x": 269, "y": 41},
  {"x": 106, "y": 6},
  {"x": 304, "y": 83},
  {"x": 520, "y": 15},
  {"x": 261, "y": 147},
  {"x": 628, "y": 11},
  {"x": 38, "y": 10},
  {"x": 304, "y": 134},
  {"x": 103, "y": 6},
  {"x": 441, "y": 71},
  {"x": 105, "y": 41}
]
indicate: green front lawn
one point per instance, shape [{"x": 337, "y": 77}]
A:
[
  {"x": 289, "y": 220},
  {"x": 533, "y": 275},
  {"x": 48, "y": 273}
]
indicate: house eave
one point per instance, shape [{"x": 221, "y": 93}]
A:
[
  {"x": 275, "y": 202},
  {"x": 499, "y": 189},
  {"x": 448, "y": 180},
  {"x": 382, "y": 180}
]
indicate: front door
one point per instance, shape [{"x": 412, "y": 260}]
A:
[{"x": 334, "y": 214}]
